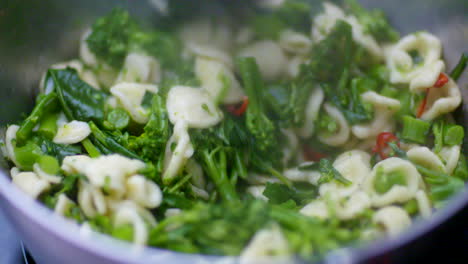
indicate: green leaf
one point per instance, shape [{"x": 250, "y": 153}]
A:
[{"x": 78, "y": 99}]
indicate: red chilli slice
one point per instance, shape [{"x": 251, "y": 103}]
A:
[
  {"x": 382, "y": 143},
  {"x": 239, "y": 110},
  {"x": 441, "y": 81}
]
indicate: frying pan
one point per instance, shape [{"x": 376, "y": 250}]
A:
[{"x": 35, "y": 34}]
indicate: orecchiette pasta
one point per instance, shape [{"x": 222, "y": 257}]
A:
[
  {"x": 205, "y": 32},
  {"x": 265, "y": 243},
  {"x": 140, "y": 68},
  {"x": 355, "y": 167},
  {"x": 63, "y": 204},
  {"x": 193, "y": 106},
  {"x": 72, "y": 132},
  {"x": 404, "y": 70},
  {"x": 85, "y": 53},
  {"x": 130, "y": 96},
  {"x": 45, "y": 176},
  {"x": 10, "y": 137},
  {"x": 392, "y": 219},
  {"x": 199, "y": 192},
  {"x": 426, "y": 158},
  {"x": 172, "y": 212},
  {"x": 269, "y": 56},
  {"x": 91, "y": 199},
  {"x": 317, "y": 209},
  {"x": 352, "y": 207},
  {"x": 294, "y": 42},
  {"x": 218, "y": 81},
  {"x": 143, "y": 191},
  {"x": 342, "y": 135},
  {"x": 295, "y": 174},
  {"x": 397, "y": 193},
  {"x": 257, "y": 192},
  {"x": 75, "y": 164},
  {"x": 294, "y": 66},
  {"x": 442, "y": 100},
  {"x": 29, "y": 182},
  {"x": 311, "y": 113},
  {"x": 210, "y": 52},
  {"x": 384, "y": 108},
  {"x": 424, "y": 205},
  {"x": 129, "y": 213},
  {"x": 450, "y": 155},
  {"x": 175, "y": 160}
]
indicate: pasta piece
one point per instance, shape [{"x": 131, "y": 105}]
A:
[
  {"x": 352, "y": 165},
  {"x": 294, "y": 66},
  {"x": 212, "y": 53},
  {"x": 340, "y": 137},
  {"x": 72, "y": 133},
  {"x": 265, "y": 243},
  {"x": 143, "y": 191},
  {"x": 129, "y": 213},
  {"x": 130, "y": 96},
  {"x": 442, "y": 100},
  {"x": 316, "y": 208},
  {"x": 397, "y": 193},
  {"x": 426, "y": 158},
  {"x": 75, "y": 164},
  {"x": 193, "y": 106},
  {"x": 392, "y": 219},
  {"x": 384, "y": 108},
  {"x": 91, "y": 200},
  {"x": 29, "y": 182},
  {"x": 269, "y": 56},
  {"x": 85, "y": 53},
  {"x": 63, "y": 205},
  {"x": 10, "y": 138},
  {"x": 140, "y": 68},
  {"x": 311, "y": 113},
  {"x": 352, "y": 207},
  {"x": 45, "y": 176},
  {"x": 175, "y": 160},
  {"x": 257, "y": 192},
  {"x": 424, "y": 204},
  {"x": 205, "y": 32},
  {"x": 218, "y": 81},
  {"x": 324, "y": 23},
  {"x": 295, "y": 174},
  {"x": 295, "y": 42},
  {"x": 450, "y": 155},
  {"x": 422, "y": 75},
  {"x": 109, "y": 171}
]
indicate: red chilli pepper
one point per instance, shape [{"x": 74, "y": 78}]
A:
[
  {"x": 382, "y": 143},
  {"x": 441, "y": 81},
  {"x": 423, "y": 104},
  {"x": 311, "y": 155},
  {"x": 239, "y": 110}
]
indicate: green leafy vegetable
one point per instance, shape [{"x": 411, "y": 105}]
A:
[
  {"x": 79, "y": 101},
  {"x": 460, "y": 68},
  {"x": 329, "y": 173}
]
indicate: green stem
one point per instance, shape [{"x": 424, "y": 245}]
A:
[
  {"x": 90, "y": 148},
  {"x": 32, "y": 120}
]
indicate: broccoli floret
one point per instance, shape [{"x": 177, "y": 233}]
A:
[{"x": 111, "y": 35}]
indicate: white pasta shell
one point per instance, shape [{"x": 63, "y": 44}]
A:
[
  {"x": 72, "y": 133},
  {"x": 269, "y": 56},
  {"x": 140, "y": 68},
  {"x": 130, "y": 96},
  {"x": 143, "y": 191},
  {"x": 193, "y": 106},
  {"x": 342, "y": 135},
  {"x": 29, "y": 182},
  {"x": 392, "y": 219}
]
